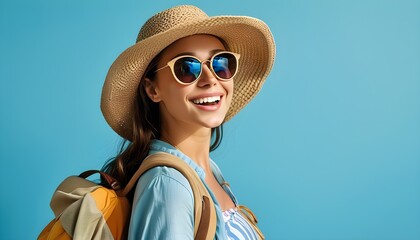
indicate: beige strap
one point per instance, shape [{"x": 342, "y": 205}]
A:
[
  {"x": 204, "y": 210},
  {"x": 252, "y": 219}
]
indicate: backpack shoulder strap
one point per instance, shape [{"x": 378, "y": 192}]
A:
[{"x": 204, "y": 210}]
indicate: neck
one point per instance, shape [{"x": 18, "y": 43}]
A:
[{"x": 192, "y": 141}]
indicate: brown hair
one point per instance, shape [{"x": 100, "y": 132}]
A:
[{"x": 146, "y": 127}]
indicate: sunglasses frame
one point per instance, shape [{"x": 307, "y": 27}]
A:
[{"x": 171, "y": 65}]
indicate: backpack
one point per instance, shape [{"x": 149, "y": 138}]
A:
[{"x": 86, "y": 210}]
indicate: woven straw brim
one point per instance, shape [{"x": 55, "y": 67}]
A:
[{"x": 250, "y": 37}]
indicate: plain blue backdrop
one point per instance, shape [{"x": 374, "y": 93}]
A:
[{"x": 329, "y": 149}]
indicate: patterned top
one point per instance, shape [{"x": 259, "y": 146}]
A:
[{"x": 237, "y": 227}]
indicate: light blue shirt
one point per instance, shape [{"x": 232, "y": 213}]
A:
[{"x": 163, "y": 204}]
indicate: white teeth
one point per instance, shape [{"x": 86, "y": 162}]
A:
[{"x": 206, "y": 100}]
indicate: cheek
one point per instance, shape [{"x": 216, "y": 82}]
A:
[{"x": 172, "y": 93}]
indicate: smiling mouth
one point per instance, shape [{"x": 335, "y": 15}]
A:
[{"x": 207, "y": 101}]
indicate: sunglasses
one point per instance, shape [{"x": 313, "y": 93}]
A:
[{"x": 187, "y": 69}]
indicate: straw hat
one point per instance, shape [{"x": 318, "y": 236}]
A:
[{"x": 250, "y": 37}]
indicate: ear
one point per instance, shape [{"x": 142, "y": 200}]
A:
[{"x": 150, "y": 88}]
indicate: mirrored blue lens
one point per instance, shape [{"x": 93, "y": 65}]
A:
[
  {"x": 224, "y": 65},
  {"x": 187, "y": 69}
]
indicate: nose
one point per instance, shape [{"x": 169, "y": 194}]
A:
[{"x": 207, "y": 77}]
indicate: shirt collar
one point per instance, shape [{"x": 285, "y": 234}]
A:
[{"x": 161, "y": 146}]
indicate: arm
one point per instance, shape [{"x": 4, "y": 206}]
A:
[{"x": 163, "y": 207}]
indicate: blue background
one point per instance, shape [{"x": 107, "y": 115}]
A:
[{"x": 329, "y": 149}]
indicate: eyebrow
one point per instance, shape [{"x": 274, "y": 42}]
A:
[{"x": 212, "y": 52}]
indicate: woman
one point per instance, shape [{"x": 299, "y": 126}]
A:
[{"x": 171, "y": 92}]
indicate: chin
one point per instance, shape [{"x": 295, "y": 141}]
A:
[{"x": 212, "y": 123}]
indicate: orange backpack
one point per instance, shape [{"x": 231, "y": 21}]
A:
[{"x": 85, "y": 210}]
